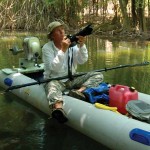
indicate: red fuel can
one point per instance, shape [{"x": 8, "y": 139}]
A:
[{"x": 119, "y": 96}]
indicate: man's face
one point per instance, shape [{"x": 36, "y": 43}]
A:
[{"x": 58, "y": 33}]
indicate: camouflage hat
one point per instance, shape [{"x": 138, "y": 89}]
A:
[{"x": 53, "y": 25}]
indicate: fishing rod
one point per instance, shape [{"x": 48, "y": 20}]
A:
[{"x": 76, "y": 75}]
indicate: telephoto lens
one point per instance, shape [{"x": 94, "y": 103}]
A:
[{"x": 84, "y": 32}]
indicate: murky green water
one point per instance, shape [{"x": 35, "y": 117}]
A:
[{"x": 23, "y": 127}]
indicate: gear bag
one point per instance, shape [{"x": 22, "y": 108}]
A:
[
  {"x": 139, "y": 109},
  {"x": 97, "y": 94}
]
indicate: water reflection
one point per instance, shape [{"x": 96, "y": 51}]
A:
[
  {"x": 62, "y": 137},
  {"x": 22, "y": 127}
]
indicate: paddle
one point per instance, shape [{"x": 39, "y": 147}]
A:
[{"x": 76, "y": 75}]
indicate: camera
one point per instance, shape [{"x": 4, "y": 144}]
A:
[{"x": 84, "y": 32}]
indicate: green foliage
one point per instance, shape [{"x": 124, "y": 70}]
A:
[
  {"x": 49, "y": 2},
  {"x": 140, "y": 4},
  {"x": 36, "y": 14}
]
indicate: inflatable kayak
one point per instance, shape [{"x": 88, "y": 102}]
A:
[{"x": 101, "y": 123}]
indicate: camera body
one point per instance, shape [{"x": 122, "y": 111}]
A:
[{"x": 84, "y": 32}]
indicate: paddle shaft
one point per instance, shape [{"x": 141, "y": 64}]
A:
[{"x": 76, "y": 75}]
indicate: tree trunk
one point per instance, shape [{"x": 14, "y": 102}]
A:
[
  {"x": 134, "y": 15},
  {"x": 126, "y": 21},
  {"x": 140, "y": 11}
]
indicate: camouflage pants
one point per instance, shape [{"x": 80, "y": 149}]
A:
[{"x": 55, "y": 88}]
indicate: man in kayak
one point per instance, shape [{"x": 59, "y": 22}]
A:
[{"x": 59, "y": 60}]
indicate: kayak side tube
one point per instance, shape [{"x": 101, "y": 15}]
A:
[{"x": 105, "y": 126}]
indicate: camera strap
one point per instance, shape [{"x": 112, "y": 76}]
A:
[{"x": 70, "y": 64}]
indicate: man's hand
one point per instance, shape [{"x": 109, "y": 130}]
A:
[
  {"x": 81, "y": 40},
  {"x": 65, "y": 44}
]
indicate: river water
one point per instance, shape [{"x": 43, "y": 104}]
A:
[{"x": 23, "y": 127}]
